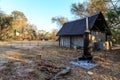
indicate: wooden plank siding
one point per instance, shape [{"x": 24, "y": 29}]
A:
[
  {"x": 71, "y": 41},
  {"x": 65, "y": 41},
  {"x": 73, "y": 32},
  {"x": 78, "y": 41}
]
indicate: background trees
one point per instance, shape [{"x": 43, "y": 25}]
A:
[
  {"x": 96, "y": 6},
  {"x": 110, "y": 9},
  {"x": 15, "y": 26},
  {"x": 5, "y": 25},
  {"x": 113, "y": 18},
  {"x": 79, "y": 9},
  {"x": 59, "y": 20},
  {"x": 17, "y": 23},
  {"x": 41, "y": 34},
  {"x": 29, "y": 32}
]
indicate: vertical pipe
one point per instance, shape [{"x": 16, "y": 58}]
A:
[
  {"x": 59, "y": 40},
  {"x": 86, "y": 23},
  {"x": 86, "y": 53}
]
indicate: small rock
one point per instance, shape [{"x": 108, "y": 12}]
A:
[
  {"x": 29, "y": 70},
  {"x": 90, "y": 73}
]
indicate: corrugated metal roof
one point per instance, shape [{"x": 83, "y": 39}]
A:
[{"x": 77, "y": 27}]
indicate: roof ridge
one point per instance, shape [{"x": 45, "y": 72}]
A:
[
  {"x": 90, "y": 15},
  {"x": 77, "y": 27}
]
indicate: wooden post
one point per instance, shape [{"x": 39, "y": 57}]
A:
[{"x": 59, "y": 40}]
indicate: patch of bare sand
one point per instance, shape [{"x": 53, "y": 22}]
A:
[{"x": 22, "y": 63}]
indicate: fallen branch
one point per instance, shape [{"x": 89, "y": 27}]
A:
[{"x": 62, "y": 73}]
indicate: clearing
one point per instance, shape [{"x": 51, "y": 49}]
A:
[{"x": 27, "y": 61}]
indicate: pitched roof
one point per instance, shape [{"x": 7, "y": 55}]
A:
[{"x": 77, "y": 27}]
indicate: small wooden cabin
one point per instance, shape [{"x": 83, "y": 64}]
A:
[{"x": 72, "y": 33}]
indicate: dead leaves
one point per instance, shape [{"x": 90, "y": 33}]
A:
[{"x": 43, "y": 64}]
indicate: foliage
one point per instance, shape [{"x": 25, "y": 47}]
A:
[
  {"x": 53, "y": 34},
  {"x": 79, "y": 9},
  {"x": 47, "y": 36},
  {"x": 110, "y": 9},
  {"x": 41, "y": 34},
  {"x": 85, "y": 8},
  {"x": 96, "y": 6},
  {"x": 113, "y": 16},
  {"x": 29, "y": 32},
  {"x": 15, "y": 26},
  {"x": 19, "y": 20},
  {"x": 5, "y": 25},
  {"x": 59, "y": 20}
]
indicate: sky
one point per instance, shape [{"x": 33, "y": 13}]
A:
[{"x": 40, "y": 12}]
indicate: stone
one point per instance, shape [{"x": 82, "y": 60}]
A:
[{"x": 90, "y": 73}]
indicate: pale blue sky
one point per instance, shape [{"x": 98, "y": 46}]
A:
[{"x": 40, "y": 12}]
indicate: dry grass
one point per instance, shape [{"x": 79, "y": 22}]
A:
[{"x": 22, "y": 63}]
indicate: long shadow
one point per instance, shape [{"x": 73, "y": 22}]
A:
[
  {"x": 106, "y": 73},
  {"x": 18, "y": 51}
]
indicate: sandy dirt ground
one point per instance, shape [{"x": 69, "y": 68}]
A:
[{"x": 42, "y": 61}]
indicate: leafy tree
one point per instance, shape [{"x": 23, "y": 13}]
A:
[
  {"x": 85, "y": 8},
  {"x": 110, "y": 8},
  {"x": 59, "y": 20},
  {"x": 79, "y": 9},
  {"x": 17, "y": 15},
  {"x": 113, "y": 15},
  {"x": 29, "y": 32},
  {"x": 41, "y": 34},
  {"x": 47, "y": 36},
  {"x": 5, "y": 25},
  {"x": 96, "y": 6},
  {"x": 16, "y": 21},
  {"x": 19, "y": 20},
  {"x": 53, "y": 34}
]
